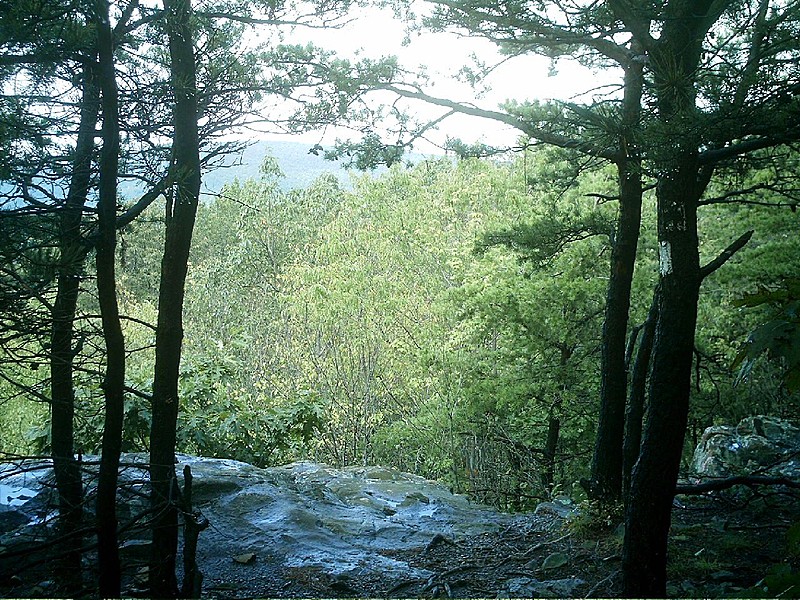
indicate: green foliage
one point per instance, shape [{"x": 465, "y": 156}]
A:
[
  {"x": 366, "y": 312},
  {"x": 222, "y": 420},
  {"x": 463, "y": 150},
  {"x": 770, "y": 256},
  {"x": 779, "y": 336},
  {"x": 781, "y": 582},
  {"x": 369, "y": 153},
  {"x": 363, "y": 327},
  {"x": 233, "y": 404},
  {"x": 547, "y": 237},
  {"x": 594, "y": 519},
  {"x": 597, "y": 528},
  {"x": 324, "y": 87},
  {"x": 793, "y": 540},
  {"x": 21, "y": 423}
]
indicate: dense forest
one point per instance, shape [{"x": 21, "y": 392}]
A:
[{"x": 563, "y": 319}]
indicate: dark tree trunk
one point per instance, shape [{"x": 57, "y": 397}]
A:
[
  {"x": 605, "y": 482},
  {"x": 656, "y": 472},
  {"x": 181, "y": 211},
  {"x": 634, "y": 413},
  {"x": 674, "y": 63},
  {"x": 194, "y": 523},
  {"x": 636, "y": 401},
  {"x": 113, "y": 385},
  {"x": 554, "y": 422},
  {"x": 550, "y": 450},
  {"x": 73, "y": 250}
]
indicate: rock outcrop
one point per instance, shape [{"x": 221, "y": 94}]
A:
[
  {"x": 295, "y": 521},
  {"x": 761, "y": 444}
]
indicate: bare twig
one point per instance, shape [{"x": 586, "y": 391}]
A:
[{"x": 716, "y": 485}]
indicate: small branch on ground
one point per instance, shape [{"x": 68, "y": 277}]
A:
[{"x": 716, "y": 485}]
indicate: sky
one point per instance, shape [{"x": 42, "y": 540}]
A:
[{"x": 374, "y": 33}]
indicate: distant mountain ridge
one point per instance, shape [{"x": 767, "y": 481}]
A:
[{"x": 299, "y": 166}]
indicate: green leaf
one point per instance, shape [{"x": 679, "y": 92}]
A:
[
  {"x": 793, "y": 539},
  {"x": 555, "y": 561},
  {"x": 245, "y": 559},
  {"x": 792, "y": 379}
]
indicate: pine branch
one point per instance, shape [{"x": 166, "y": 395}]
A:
[
  {"x": 725, "y": 255},
  {"x": 555, "y": 139}
]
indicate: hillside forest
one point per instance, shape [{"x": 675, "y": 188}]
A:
[{"x": 559, "y": 319}]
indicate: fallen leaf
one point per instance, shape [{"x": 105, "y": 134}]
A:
[
  {"x": 245, "y": 559},
  {"x": 554, "y": 561}
]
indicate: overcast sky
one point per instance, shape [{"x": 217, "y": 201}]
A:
[{"x": 375, "y": 33}]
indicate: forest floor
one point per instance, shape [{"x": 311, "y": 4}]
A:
[{"x": 720, "y": 546}]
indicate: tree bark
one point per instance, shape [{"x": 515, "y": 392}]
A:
[
  {"x": 656, "y": 472},
  {"x": 73, "y": 250},
  {"x": 114, "y": 382},
  {"x": 550, "y": 450},
  {"x": 605, "y": 483},
  {"x": 181, "y": 210},
  {"x": 194, "y": 523},
  {"x": 673, "y": 61},
  {"x": 634, "y": 412}
]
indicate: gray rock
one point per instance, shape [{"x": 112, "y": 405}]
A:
[
  {"x": 560, "y": 508},
  {"x": 533, "y": 588},
  {"x": 756, "y": 443},
  {"x": 303, "y": 516},
  {"x": 11, "y": 518},
  {"x": 337, "y": 519}
]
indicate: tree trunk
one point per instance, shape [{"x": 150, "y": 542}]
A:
[
  {"x": 673, "y": 60},
  {"x": 636, "y": 400},
  {"x": 73, "y": 252},
  {"x": 649, "y": 505},
  {"x": 550, "y": 448},
  {"x": 181, "y": 211},
  {"x": 656, "y": 472},
  {"x": 113, "y": 385},
  {"x": 634, "y": 413},
  {"x": 605, "y": 482}
]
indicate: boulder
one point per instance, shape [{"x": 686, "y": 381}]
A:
[{"x": 763, "y": 444}]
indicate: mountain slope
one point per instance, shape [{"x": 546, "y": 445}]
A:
[{"x": 299, "y": 166}]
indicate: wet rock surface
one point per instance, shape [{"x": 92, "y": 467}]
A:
[
  {"x": 309, "y": 524},
  {"x": 307, "y": 529}
]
